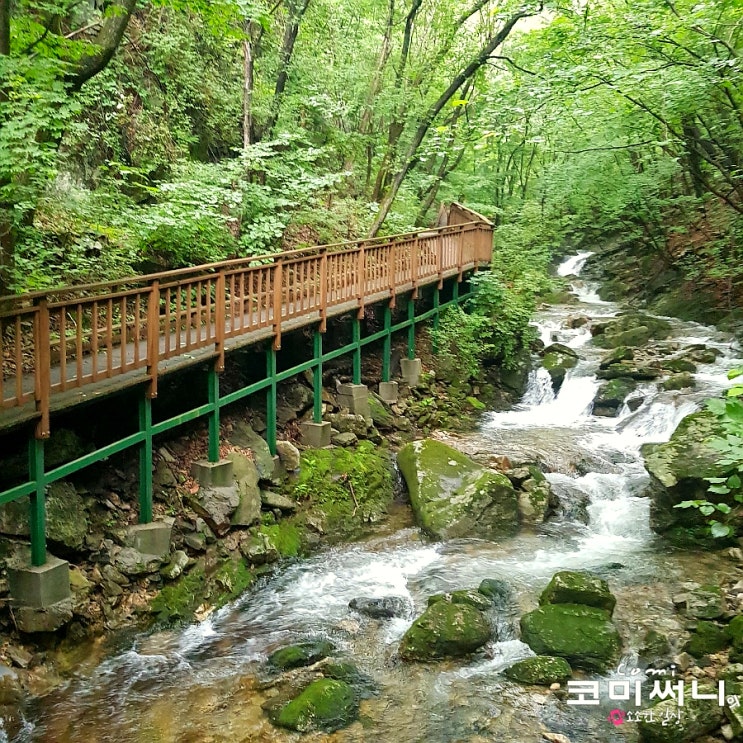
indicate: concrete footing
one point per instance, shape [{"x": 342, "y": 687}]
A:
[
  {"x": 151, "y": 539},
  {"x": 316, "y": 435},
  {"x": 355, "y": 397},
  {"x": 388, "y": 391},
  {"x": 213, "y": 474},
  {"x": 411, "y": 371},
  {"x": 40, "y": 587}
]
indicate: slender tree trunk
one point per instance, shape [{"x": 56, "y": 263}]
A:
[
  {"x": 296, "y": 13},
  {"x": 5, "y": 27},
  {"x": 248, "y": 86},
  {"x": 7, "y": 237},
  {"x": 411, "y": 154}
]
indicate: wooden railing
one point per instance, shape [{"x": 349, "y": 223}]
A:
[{"x": 71, "y": 337}]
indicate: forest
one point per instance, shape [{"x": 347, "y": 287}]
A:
[{"x": 143, "y": 136}]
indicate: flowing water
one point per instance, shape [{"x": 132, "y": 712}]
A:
[{"x": 207, "y": 682}]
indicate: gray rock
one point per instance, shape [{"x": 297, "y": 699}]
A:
[
  {"x": 244, "y": 436},
  {"x": 133, "y": 562},
  {"x": 110, "y": 573},
  {"x": 276, "y": 500},
  {"x": 344, "y": 439},
  {"x": 178, "y": 562},
  {"x": 196, "y": 542},
  {"x": 288, "y": 455},
  {"x": 296, "y": 396},
  {"x": 349, "y": 423},
  {"x": 49, "y": 619},
  {"x": 216, "y": 506},
  {"x": 698, "y": 716},
  {"x": 381, "y": 608},
  {"x": 248, "y": 511},
  {"x": 163, "y": 476},
  {"x": 259, "y": 549}
]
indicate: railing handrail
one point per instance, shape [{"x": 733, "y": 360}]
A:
[{"x": 11, "y": 304}]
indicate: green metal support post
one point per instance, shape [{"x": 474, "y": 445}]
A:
[
  {"x": 213, "y": 383},
  {"x": 411, "y": 327},
  {"x": 37, "y": 513},
  {"x": 145, "y": 459},
  {"x": 455, "y": 292},
  {"x": 271, "y": 400},
  {"x": 317, "y": 379},
  {"x": 357, "y": 351},
  {"x": 436, "y": 303},
  {"x": 387, "y": 347}
]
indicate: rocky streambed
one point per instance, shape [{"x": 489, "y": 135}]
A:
[{"x": 533, "y": 562}]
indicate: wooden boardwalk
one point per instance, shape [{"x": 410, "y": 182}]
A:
[{"x": 72, "y": 344}]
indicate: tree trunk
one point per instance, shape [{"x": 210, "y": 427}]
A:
[
  {"x": 411, "y": 154},
  {"x": 248, "y": 85},
  {"x": 296, "y": 12}
]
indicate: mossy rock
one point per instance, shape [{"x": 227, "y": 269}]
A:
[
  {"x": 330, "y": 479},
  {"x": 629, "y": 370},
  {"x": 613, "y": 393},
  {"x": 453, "y": 497},
  {"x": 638, "y": 336},
  {"x": 734, "y": 632},
  {"x": 470, "y": 597},
  {"x": 326, "y": 704},
  {"x": 445, "y": 630},
  {"x": 698, "y": 717},
  {"x": 583, "y": 635},
  {"x": 301, "y": 654},
  {"x": 707, "y": 638},
  {"x": 363, "y": 685},
  {"x": 678, "y": 471},
  {"x": 381, "y": 414},
  {"x": 574, "y": 587},
  {"x": 497, "y": 590},
  {"x": 655, "y": 646},
  {"x": 616, "y": 356},
  {"x": 542, "y": 670},
  {"x": 680, "y": 365},
  {"x": 681, "y": 381}
]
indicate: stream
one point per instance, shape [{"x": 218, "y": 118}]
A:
[{"x": 206, "y": 683}]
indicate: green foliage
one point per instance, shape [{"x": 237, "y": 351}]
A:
[{"x": 729, "y": 413}]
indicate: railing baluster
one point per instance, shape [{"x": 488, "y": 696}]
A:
[
  {"x": 110, "y": 338},
  {"x": 63, "y": 348},
  {"x": 220, "y": 301},
  {"x": 79, "y": 345},
  {"x": 43, "y": 360},
  {"x": 153, "y": 334}
]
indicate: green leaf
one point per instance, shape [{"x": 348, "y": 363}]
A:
[
  {"x": 707, "y": 510},
  {"x": 719, "y": 530},
  {"x": 734, "y": 481},
  {"x": 723, "y": 508}
]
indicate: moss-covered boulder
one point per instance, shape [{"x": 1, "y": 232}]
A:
[
  {"x": 681, "y": 381},
  {"x": 326, "y": 704},
  {"x": 557, "y": 359},
  {"x": 576, "y": 587},
  {"x": 640, "y": 372},
  {"x": 633, "y": 329},
  {"x": 542, "y": 670},
  {"x": 345, "y": 489},
  {"x": 616, "y": 356},
  {"x": 583, "y": 635},
  {"x": 734, "y": 632},
  {"x": 694, "y": 719},
  {"x": 707, "y": 638},
  {"x": 445, "y": 630},
  {"x": 475, "y": 599},
  {"x": 381, "y": 414},
  {"x": 611, "y": 396},
  {"x": 680, "y": 365},
  {"x": 678, "y": 470},
  {"x": 452, "y": 496},
  {"x": 301, "y": 654}
]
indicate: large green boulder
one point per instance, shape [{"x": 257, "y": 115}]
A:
[
  {"x": 541, "y": 669},
  {"x": 680, "y": 381},
  {"x": 633, "y": 329},
  {"x": 574, "y": 587},
  {"x": 694, "y": 719},
  {"x": 326, "y": 704},
  {"x": 678, "y": 470},
  {"x": 583, "y": 635},
  {"x": 454, "y": 497},
  {"x": 445, "y": 630}
]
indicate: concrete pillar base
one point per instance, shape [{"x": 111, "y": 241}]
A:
[
  {"x": 40, "y": 587},
  {"x": 388, "y": 391},
  {"x": 151, "y": 539},
  {"x": 411, "y": 371},
  {"x": 213, "y": 474},
  {"x": 316, "y": 435},
  {"x": 355, "y": 397}
]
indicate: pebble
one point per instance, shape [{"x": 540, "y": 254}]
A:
[
  {"x": 727, "y": 732},
  {"x": 556, "y": 738},
  {"x": 554, "y": 687}
]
